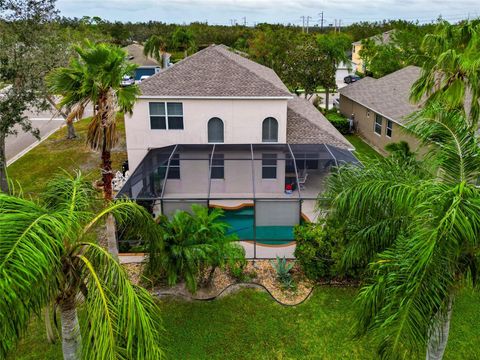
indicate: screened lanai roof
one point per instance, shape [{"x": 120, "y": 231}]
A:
[{"x": 157, "y": 177}]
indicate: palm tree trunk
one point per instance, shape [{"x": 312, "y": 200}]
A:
[
  {"x": 111, "y": 234},
  {"x": 3, "y": 165},
  {"x": 107, "y": 174},
  {"x": 71, "y": 134},
  {"x": 327, "y": 95},
  {"x": 438, "y": 339},
  {"x": 71, "y": 337}
]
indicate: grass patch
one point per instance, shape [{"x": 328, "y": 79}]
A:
[
  {"x": 34, "y": 169},
  {"x": 363, "y": 151},
  {"x": 250, "y": 325}
]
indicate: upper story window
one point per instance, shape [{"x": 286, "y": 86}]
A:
[
  {"x": 215, "y": 130},
  {"x": 378, "y": 124},
  {"x": 270, "y": 130},
  {"x": 166, "y": 115}
]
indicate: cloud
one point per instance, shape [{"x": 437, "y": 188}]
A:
[{"x": 280, "y": 11}]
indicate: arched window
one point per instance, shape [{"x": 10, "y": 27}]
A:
[
  {"x": 270, "y": 130},
  {"x": 215, "y": 130}
]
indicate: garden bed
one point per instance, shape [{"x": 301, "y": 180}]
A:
[{"x": 259, "y": 273}]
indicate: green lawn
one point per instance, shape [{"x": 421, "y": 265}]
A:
[
  {"x": 363, "y": 151},
  {"x": 250, "y": 325},
  {"x": 34, "y": 169}
]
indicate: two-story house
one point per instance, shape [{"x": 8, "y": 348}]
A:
[{"x": 220, "y": 130}]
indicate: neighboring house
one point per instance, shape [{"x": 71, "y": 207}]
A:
[
  {"x": 357, "y": 61},
  {"x": 147, "y": 66},
  {"x": 220, "y": 130},
  {"x": 380, "y": 107}
]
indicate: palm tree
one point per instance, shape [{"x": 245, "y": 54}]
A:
[
  {"x": 183, "y": 39},
  {"x": 95, "y": 77},
  {"x": 48, "y": 256},
  {"x": 450, "y": 68},
  {"x": 418, "y": 225},
  {"x": 189, "y": 243},
  {"x": 156, "y": 47}
]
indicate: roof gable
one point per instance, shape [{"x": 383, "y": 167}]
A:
[{"x": 215, "y": 72}]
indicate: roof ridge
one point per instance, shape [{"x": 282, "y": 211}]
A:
[{"x": 226, "y": 48}]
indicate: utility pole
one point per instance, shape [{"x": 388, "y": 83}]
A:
[
  {"x": 308, "y": 19},
  {"x": 303, "y": 23},
  {"x": 244, "y": 21},
  {"x": 335, "y": 30},
  {"x": 339, "y": 25},
  {"x": 321, "y": 21}
]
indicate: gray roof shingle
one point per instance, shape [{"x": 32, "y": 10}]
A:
[
  {"x": 307, "y": 125},
  {"x": 215, "y": 71},
  {"x": 388, "y": 96}
]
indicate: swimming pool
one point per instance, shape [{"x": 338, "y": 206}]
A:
[{"x": 241, "y": 222}]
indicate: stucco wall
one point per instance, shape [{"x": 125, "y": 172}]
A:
[
  {"x": 356, "y": 57},
  {"x": 365, "y": 122},
  {"x": 242, "y": 123}
]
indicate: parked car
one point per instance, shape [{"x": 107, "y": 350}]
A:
[
  {"x": 127, "y": 80},
  {"x": 336, "y": 103},
  {"x": 351, "y": 78},
  {"x": 143, "y": 77}
]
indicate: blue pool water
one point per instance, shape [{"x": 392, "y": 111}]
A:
[{"x": 242, "y": 224}]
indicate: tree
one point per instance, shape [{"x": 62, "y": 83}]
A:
[
  {"x": 333, "y": 51},
  {"x": 450, "y": 70},
  {"x": 183, "y": 39},
  {"x": 189, "y": 243},
  {"x": 23, "y": 32},
  {"x": 48, "y": 256},
  {"x": 156, "y": 47},
  {"x": 95, "y": 77},
  {"x": 418, "y": 225}
]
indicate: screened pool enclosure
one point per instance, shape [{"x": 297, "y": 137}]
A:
[{"x": 265, "y": 189}]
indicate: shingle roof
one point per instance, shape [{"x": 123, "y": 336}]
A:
[
  {"x": 307, "y": 125},
  {"x": 215, "y": 71},
  {"x": 383, "y": 38},
  {"x": 135, "y": 53},
  {"x": 388, "y": 96}
]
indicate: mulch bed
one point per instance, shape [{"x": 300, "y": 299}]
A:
[{"x": 258, "y": 272}]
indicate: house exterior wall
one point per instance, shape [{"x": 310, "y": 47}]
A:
[
  {"x": 242, "y": 120},
  {"x": 365, "y": 124},
  {"x": 356, "y": 57}
]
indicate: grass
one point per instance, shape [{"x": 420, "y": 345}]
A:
[
  {"x": 34, "y": 169},
  {"x": 363, "y": 151},
  {"x": 250, "y": 325}
]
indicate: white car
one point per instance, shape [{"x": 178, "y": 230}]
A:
[
  {"x": 127, "y": 80},
  {"x": 143, "y": 77}
]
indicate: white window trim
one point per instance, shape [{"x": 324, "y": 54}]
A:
[{"x": 166, "y": 115}]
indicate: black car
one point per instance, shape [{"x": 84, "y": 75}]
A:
[{"x": 351, "y": 78}]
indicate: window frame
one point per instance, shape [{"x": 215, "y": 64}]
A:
[
  {"x": 269, "y": 157},
  {"x": 166, "y": 116},
  {"x": 175, "y": 159},
  {"x": 217, "y": 162},
  {"x": 375, "y": 124},
  {"x": 389, "y": 128},
  {"x": 208, "y": 130},
  {"x": 270, "y": 140}
]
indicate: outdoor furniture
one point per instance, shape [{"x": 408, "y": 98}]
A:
[{"x": 302, "y": 178}]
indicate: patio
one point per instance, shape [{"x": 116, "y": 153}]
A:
[{"x": 265, "y": 189}]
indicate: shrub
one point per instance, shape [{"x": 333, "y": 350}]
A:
[
  {"x": 313, "y": 251},
  {"x": 339, "y": 121},
  {"x": 282, "y": 268}
]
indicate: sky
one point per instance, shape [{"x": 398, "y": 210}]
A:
[{"x": 272, "y": 11}]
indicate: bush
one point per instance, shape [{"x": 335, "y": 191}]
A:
[
  {"x": 313, "y": 251},
  {"x": 339, "y": 121}
]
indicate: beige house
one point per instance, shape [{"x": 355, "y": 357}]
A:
[
  {"x": 219, "y": 130},
  {"x": 357, "y": 46},
  {"x": 380, "y": 107}
]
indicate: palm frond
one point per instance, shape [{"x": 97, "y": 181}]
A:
[{"x": 121, "y": 320}]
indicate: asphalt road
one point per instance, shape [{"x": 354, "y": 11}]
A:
[{"x": 46, "y": 121}]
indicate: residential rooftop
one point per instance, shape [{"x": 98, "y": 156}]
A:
[
  {"x": 215, "y": 71},
  {"x": 388, "y": 96},
  {"x": 383, "y": 38},
  {"x": 136, "y": 56}
]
